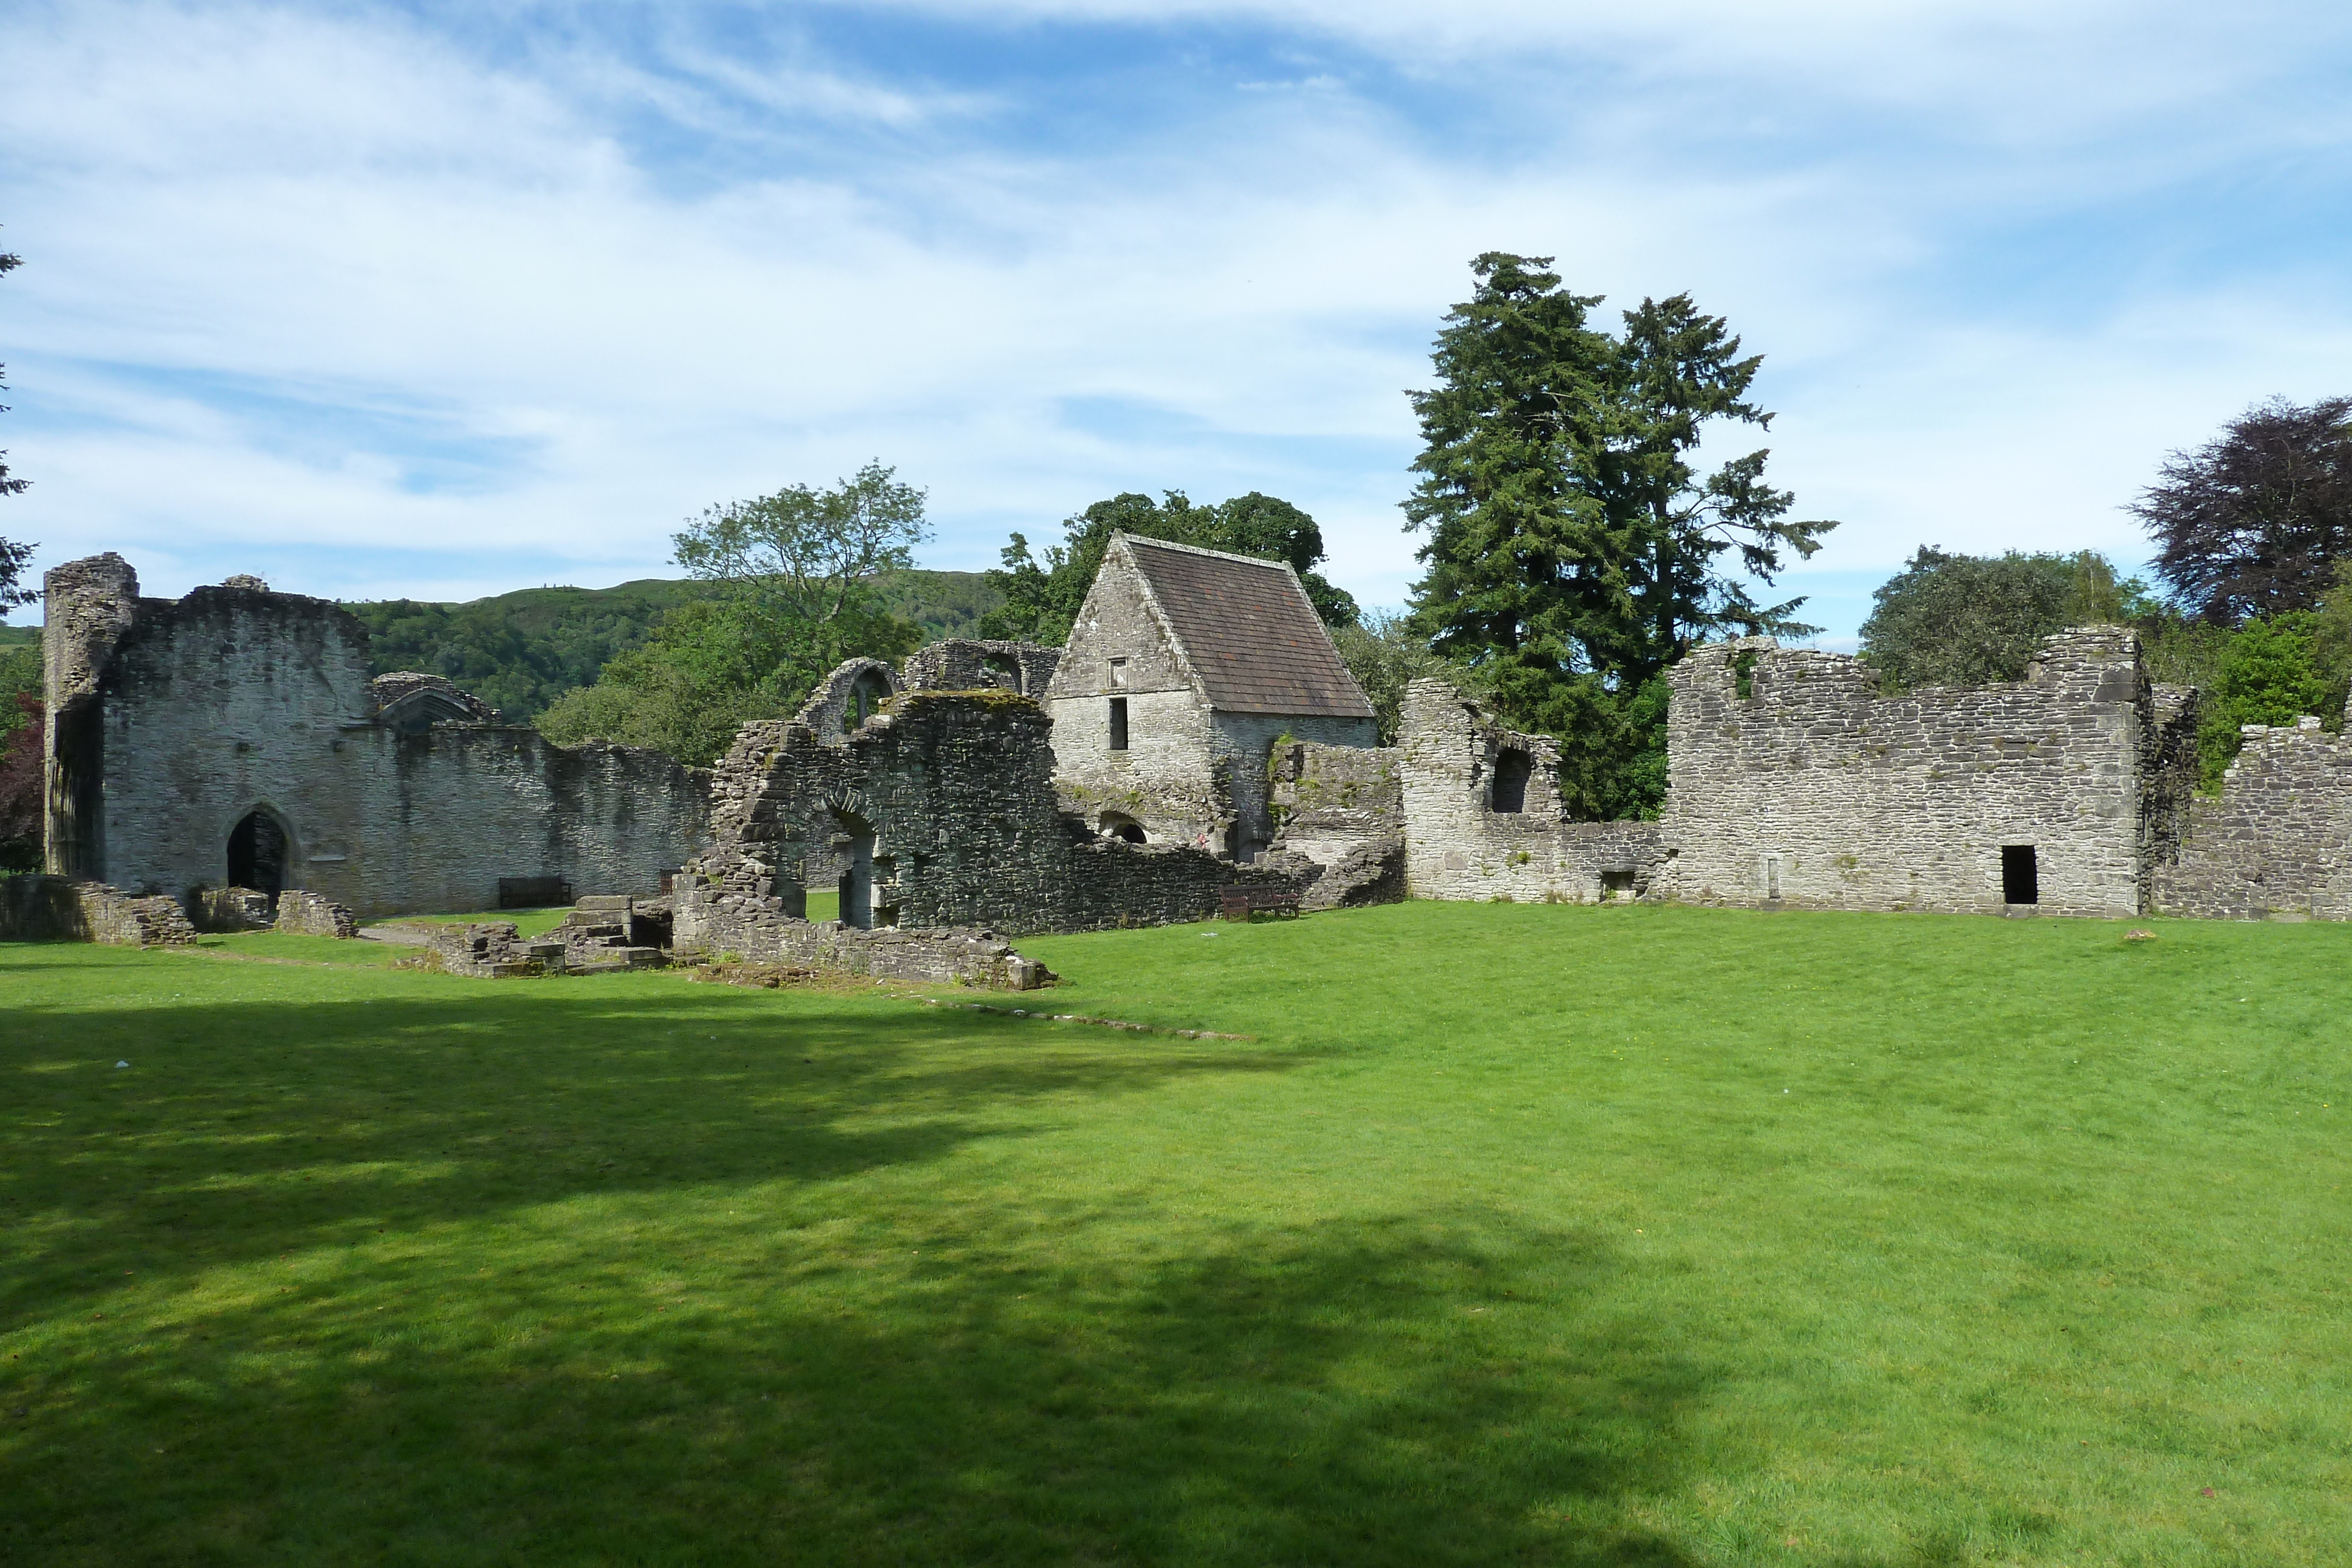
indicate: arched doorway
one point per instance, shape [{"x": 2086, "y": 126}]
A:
[
  {"x": 1120, "y": 825},
  {"x": 258, "y": 851}
]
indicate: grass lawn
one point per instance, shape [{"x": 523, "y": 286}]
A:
[{"x": 1519, "y": 1234}]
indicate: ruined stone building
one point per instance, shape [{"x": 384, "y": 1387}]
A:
[
  {"x": 234, "y": 737},
  {"x": 1198, "y": 732},
  {"x": 1182, "y": 670},
  {"x": 1795, "y": 781}
]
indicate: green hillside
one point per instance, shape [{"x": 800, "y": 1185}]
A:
[
  {"x": 11, "y": 637},
  {"x": 520, "y": 650}
]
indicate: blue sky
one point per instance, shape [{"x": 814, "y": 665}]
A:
[{"x": 448, "y": 299}]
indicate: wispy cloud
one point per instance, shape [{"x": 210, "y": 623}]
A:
[{"x": 437, "y": 301}]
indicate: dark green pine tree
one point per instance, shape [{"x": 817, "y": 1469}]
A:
[{"x": 1573, "y": 550}]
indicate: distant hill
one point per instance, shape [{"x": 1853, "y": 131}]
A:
[
  {"x": 12, "y": 635},
  {"x": 519, "y": 651}
]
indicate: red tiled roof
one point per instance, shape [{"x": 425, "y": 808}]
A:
[{"x": 1249, "y": 629}]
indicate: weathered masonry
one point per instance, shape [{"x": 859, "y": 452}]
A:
[
  {"x": 1185, "y": 666},
  {"x": 1794, "y": 781},
  {"x": 2277, "y": 843},
  {"x": 941, "y": 812},
  {"x": 233, "y": 738}
]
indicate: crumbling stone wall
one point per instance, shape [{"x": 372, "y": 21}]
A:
[
  {"x": 180, "y": 719},
  {"x": 303, "y": 913},
  {"x": 1815, "y": 789},
  {"x": 955, "y": 791},
  {"x": 224, "y": 910},
  {"x": 40, "y": 908},
  {"x": 978, "y": 664},
  {"x": 2277, "y": 841},
  {"x": 1340, "y": 809},
  {"x": 1452, "y": 756},
  {"x": 718, "y": 922}
]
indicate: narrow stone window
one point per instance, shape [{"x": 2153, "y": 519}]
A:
[
  {"x": 1772, "y": 878},
  {"x": 1118, "y": 673},
  {"x": 1119, "y": 724},
  {"x": 2020, "y": 877},
  {"x": 1511, "y": 770}
]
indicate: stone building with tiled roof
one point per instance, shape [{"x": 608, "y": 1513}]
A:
[{"x": 1184, "y": 667}]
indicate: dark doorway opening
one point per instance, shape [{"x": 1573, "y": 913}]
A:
[
  {"x": 1511, "y": 770},
  {"x": 1120, "y": 825},
  {"x": 257, "y": 855},
  {"x": 857, "y": 876},
  {"x": 1119, "y": 724},
  {"x": 2020, "y": 878}
]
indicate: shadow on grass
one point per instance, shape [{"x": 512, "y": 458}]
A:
[
  {"x": 1444, "y": 1391},
  {"x": 247, "y": 1130}
]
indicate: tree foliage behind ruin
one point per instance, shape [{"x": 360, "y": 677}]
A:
[
  {"x": 1042, "y": 597},
  {"x": 2254, "y": 522},
  {"x": 800, "y": 580},
  {"x": 1573, "y": 549},
  {"x": 1952, "y": 619}
]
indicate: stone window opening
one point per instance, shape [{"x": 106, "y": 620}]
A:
[
  {"x": 1743, "y": 674},
  {"x": 1510, "y": 792},
  {"x": 1616, "y": 884},
  {"x": 1772, "y": 878},
  {"x": 2021, "y": 875},
  {"x": 259, "y": 852},
  {"x": 866, "y": 695},
  {"x": 1119, "y": 724},
  {"x": 1120, "y": 825},
  {"x": 1118, "y": 673},
  {"x": 1000, "y": 672}
]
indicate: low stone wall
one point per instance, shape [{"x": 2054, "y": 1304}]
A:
[
  {"x": 112, "y": 916},
  {"x": 491, "y": 950},
  {"x": 38, "y": 908},
  {"x": 302, "y": 913},
  {"x": 2277, "y": 841},
  {"x": 713, "y": 921},
  {"x": 224, "y": 910}
]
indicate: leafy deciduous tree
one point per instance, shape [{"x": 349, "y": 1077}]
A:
[
  {"x": 1951, "y": 619},
  {"x": 1042, "y": 598},
  {"x": 2253, "y": 522},
  {"x": 802, "y": 582}
]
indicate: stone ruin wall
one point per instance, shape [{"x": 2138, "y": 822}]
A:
[
  {"x": 1815, "y": 791},
  {"x": 1339, "y": 810},
  {"x": 977, "y": 664},
  {"x": 1458, "y": 846},
  {"x": 968, "y": 842},
  {"x": 39, "y": 908},
  {"x": 2277, "y": 841},
  {"x": 181, "y": 718}
]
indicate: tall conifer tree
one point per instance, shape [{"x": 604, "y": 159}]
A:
[{"x": 1573, "y": 549}]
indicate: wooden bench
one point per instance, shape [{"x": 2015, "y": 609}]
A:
[{"x": 1244, "y": 903}]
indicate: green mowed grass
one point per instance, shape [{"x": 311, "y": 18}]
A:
[{"x": 1517, "y": 1234}]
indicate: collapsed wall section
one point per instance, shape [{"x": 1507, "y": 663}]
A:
[
  {"x": 1339, "y": 817},
  {"x": 1484, "y": 817},
  {"x": 944, "y": 808},
  {"x": 2278, "y": 838},
  {"x": 1795, "y": 781}
]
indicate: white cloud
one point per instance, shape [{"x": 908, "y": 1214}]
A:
[{"x": 284, "y": 269}]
